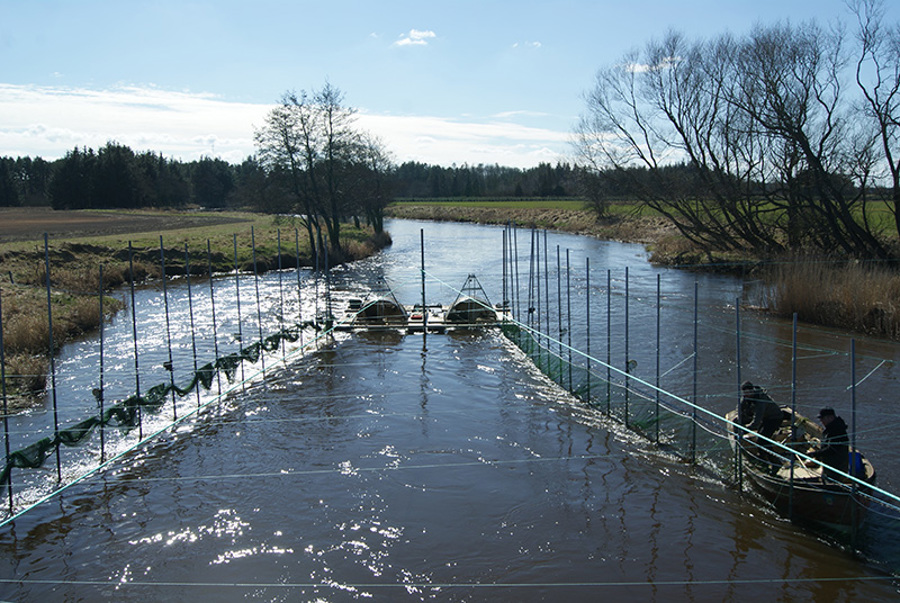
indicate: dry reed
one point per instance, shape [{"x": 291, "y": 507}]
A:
[{"x": 855, "y": 296}]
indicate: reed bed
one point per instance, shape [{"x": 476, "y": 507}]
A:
[{"x": 857, "y": 296}]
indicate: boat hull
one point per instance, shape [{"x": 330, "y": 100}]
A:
[{"x": 802, "y": 491}]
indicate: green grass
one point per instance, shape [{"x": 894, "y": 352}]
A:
[{"x": 506, "y": 203}]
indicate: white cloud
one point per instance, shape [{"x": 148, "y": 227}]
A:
[
  {"x": 513, "y": 114},
  {"x": 527, "y": 45},
  {"x": 48, "y": 122},
  {"x": 644, "y": 68},
  {"x": 415, "y": 37},
  {"x": 443, "y": 141}
]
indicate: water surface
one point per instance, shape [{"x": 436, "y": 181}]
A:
[{"x": 403, "y": 467}]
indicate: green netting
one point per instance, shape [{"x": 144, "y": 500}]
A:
[
  {"x": 126, "y": 414},
  {"x": 868, "y": 521}
]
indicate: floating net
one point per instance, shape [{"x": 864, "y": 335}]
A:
[{"x": 126, "y": 414}]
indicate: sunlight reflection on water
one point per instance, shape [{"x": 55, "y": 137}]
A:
[{"x": 400, "y": 466}]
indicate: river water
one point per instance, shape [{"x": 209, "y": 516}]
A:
[{"x": 444, "y": 467}]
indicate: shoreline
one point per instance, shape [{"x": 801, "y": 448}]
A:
[
  {"x": 626, "y": 229},
  {"x": 75, "y": 257},
  {"x": 852, "y": 296},
  {"x": 666, "y": 245}
]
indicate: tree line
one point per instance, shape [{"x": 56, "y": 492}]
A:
[
  {"x": 80, "y": 180},
  {"x": 114, "y": 176},
  {"x": 784, "y": 139},
  {"x": 414, "y": 180}
]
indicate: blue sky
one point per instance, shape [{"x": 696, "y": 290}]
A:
[{"x": 440, "y": 82}]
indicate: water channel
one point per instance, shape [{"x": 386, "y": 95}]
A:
[{"x": 444, "y": 467}]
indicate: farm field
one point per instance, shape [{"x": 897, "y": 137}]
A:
[{"x": 30, "y": 223}]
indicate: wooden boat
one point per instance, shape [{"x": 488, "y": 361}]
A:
[{"x": 799, "y": 488}]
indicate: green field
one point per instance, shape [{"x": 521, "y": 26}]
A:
[{"x": 571, "y": 204}]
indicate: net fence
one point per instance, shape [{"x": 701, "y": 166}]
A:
[{"x": 847, "y": 509}]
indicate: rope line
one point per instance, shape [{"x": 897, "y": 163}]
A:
[
  {"x": 449, "y": 585},
  {"x": 45, "y": 445},
  {"x": 352, "y": 470},
  {"x": 706, "y": 413}
]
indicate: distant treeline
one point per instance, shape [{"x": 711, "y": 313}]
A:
[
  {"x": 423, "y": 181},
  {"x": 117, "y": 177}
]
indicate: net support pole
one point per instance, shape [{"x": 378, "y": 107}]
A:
[
  {"x": 627, "y": 363},
  {"x": 167, "y": 365},
  {"x": 134, "y": 340},
  {"x": 547, "y": 298},
  {"x": 854, "y": 527},
  {"x": 505, "y": 301},
  {"x": 212, "y": 307},
  {"x": 559, "y": 328},
  {"x": 52, "y": 351},
  {"x": 537, "y": 311},
  {"x": 515, "y": 267},
  {"x": 187, "y": 274},
  {"x": 587, "y": 320},
  {"x": 422, "y": 259},
  {"x": 793, "y": 411},
  {"x": 281, "y": 299},
  {"x": 569, "y": 318},
  {"x": 237, "y": 297},
  {"x": 299, "y": 286},
  {"x": 739, "y": 457},
  {"x": 100, "y": 392},
  {"x": 658, "y": 347},
  {"x": 694, "y": 395},
  {"x": 608, "y": 341},
  {"x": 262, "y": 356},
  {"x": 9, "y": 484}
]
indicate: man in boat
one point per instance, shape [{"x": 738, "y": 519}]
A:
[
  {"x": 834, "y": 450},
  {"x": 757, "y": 411}
]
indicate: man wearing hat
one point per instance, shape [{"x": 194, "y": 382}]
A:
[{"x": 834, "y": 449}]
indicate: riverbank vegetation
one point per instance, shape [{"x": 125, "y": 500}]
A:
[
  {"x": 857, "y": 296},
  {"x": 217, "y": 244}
]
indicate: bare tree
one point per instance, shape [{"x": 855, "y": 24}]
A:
[
  {"x": 287, "y": 142},
  {"x": 776, "y": 157},
  {"x": 668, "y": 104},
  {"x": 791, "y": 87},
  {"x": 878, "y": 78},
  {"x": 371, "y": 185},
  {"x": 312, "y": 137}
]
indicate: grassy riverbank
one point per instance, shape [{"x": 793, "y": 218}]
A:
[
  {"x": 78, "y": 247},
  {"x": 562, "y": 215}
]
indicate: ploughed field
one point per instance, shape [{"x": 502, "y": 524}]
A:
[{"x": 27, "y": 223}]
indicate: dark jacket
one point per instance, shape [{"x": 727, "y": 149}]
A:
[
  {"x": 835, "y": 449},
  {"x": 757, "y": 407}
]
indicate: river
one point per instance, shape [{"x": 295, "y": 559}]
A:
[{"x": 445, "y": 467}]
